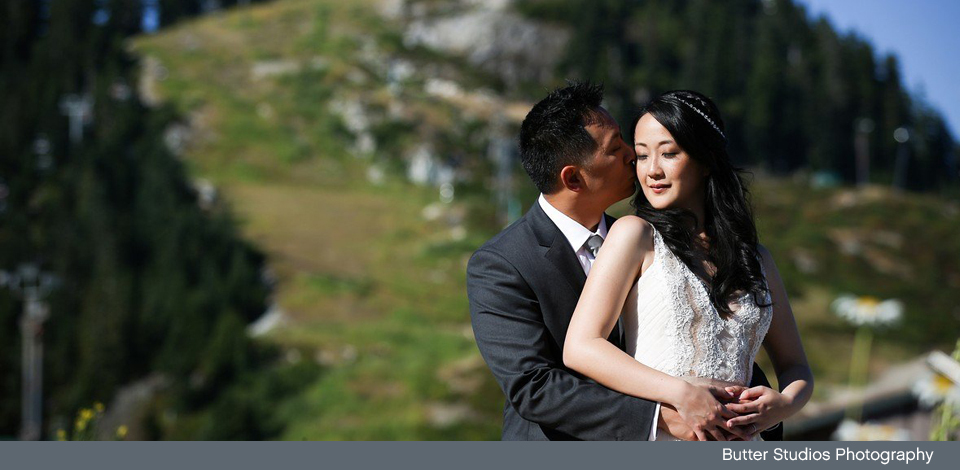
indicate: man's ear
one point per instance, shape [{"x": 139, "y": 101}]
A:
[{"x": 571, "y": 178}]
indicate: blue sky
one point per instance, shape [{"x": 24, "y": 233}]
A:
[{"x": 923, "y": 34}]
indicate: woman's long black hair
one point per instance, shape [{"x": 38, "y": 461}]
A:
[{"x": 694, "y": 121}]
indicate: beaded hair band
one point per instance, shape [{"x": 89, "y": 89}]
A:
[{"x": 710, "y": 121}]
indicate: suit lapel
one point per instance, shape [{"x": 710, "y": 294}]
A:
[
  {"x": 564, "y": 259},
  {"x": 558, "y": 251}
]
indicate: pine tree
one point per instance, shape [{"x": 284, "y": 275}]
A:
[{"x": 148, "y": 277}]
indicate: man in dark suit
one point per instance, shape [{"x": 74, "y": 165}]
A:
[{"x": 525, "y": 282}]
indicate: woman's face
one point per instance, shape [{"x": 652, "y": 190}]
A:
[{"x": 669, "y": 177}]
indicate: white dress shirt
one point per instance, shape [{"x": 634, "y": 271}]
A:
[{"x": 577, "y": 236}]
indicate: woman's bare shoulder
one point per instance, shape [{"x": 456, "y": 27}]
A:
[{"x": 631, "y": 228}]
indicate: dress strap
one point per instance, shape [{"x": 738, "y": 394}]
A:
[{"x": 659, "y": 246}]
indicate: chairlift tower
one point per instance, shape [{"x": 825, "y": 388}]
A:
[
  {"x": 32, "y": 285},
  {"x": 502, "y": 151},
  {"x": 861, "y": 145},
  {"x": 78, "y": 108},
  {"x": 902, "y": 136}
]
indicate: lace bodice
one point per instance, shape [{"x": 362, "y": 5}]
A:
[{"x": 671, "y": 325}]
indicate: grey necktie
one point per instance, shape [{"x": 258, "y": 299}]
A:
[{"x": 593, "y": 244}]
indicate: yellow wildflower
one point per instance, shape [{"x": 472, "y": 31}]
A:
[
  {"x": 122, "y": 431},
  {"x": 98, "y": 406},
  {"x": 61, "y": 435}
]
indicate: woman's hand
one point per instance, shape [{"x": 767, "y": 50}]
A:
[
  {"x": 759, "y": 408},
  {"x": 699, "y": 407}
]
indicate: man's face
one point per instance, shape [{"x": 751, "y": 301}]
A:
[{"x": 609, "y": 174}]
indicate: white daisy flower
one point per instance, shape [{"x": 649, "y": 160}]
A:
[
  {"x": 853, "y": 431},
  {"x": 935, "y": 388},
  {"x": 867, "y": 310}
]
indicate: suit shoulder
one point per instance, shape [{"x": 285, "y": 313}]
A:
[
  {"x": 515, "y": 235},
  {"x": 507, "y": 253}
]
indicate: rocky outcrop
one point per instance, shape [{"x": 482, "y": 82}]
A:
[{"x": 489, "y": 35}]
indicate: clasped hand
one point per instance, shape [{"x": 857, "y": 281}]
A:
[
  {"x": 759, "y": 408},
  {"x": 714, "y": 410}
]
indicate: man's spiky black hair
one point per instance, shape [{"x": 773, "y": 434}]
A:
[{"x": 553, "y": 136}]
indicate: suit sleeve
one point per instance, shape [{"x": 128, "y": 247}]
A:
[{"x": 514, "y": 342}]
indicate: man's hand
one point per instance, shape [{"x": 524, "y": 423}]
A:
[
  {"x": 671, "y": 422},
  {"x": 724, "y": 392}
]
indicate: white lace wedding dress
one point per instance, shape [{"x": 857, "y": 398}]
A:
[{"x": 671, "y": 325}]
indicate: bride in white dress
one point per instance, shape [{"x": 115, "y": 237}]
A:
[{"x": 696, "y": 292}]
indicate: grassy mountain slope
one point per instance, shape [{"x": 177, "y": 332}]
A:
[
  {"x": 372, "y": 283},
  {"x": 370, "y": 288}
]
